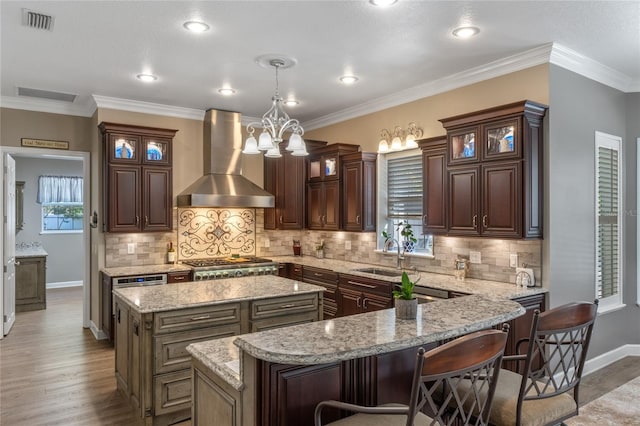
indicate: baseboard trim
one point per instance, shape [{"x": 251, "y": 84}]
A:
[
  {"x": 64, "y": 284},
  {"x": 601, "y": 361},
  {"x": 98, "y": 334}
]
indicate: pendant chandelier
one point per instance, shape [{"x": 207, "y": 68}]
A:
[{"x": 275, "y": 122}]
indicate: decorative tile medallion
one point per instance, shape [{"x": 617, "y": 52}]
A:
[{"x": 206, "y": 232}]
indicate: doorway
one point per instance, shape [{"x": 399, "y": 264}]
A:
[{"x": 82, "y": 166}]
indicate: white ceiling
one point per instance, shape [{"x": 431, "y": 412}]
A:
[{"x": 399, "y": 52}]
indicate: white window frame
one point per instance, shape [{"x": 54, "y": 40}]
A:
[
  {"x": 613, "y": 302},
  {"x": 382, "y": 201}
]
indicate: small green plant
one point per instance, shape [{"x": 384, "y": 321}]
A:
[
  {"x": 405, "y": 290},
  {"x": 407, "y": 232}
]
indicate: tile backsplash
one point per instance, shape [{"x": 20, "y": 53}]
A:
[{"x": 220, "y": 232}]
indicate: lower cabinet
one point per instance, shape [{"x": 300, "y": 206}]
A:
[
  {"x": 520, "y": 328},
  {"x": 357, "y": 295},
  {"x": 153, "y": 367},
  {"x": 329, "y": 280},
  {"x": 31, "y": 281}
]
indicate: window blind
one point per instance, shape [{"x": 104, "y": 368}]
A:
[
  {"x": 404, "y": 187},
  {"x": 608, "y": 217}
]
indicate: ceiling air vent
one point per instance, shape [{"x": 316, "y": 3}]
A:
[
  {"x": 46, "y": 94},
  {"x": 37, "y": 20}
]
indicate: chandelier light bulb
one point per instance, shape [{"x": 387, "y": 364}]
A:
[
  {"x": 273, "y": 153},
  {"x": 265, "y": 142},
  {"x": 396, "y": 143},
  {"x": 295, "y": 143},
  {"x": 251, "y": 146}
]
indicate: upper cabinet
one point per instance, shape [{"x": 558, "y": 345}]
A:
[
  {"x": 325, "y": 163},
  {"x": 493, "y": 182},
  {"x": 137, "y": 178},
  {"x": 286, "y": 179},
  {"x": 434, "y": 185},
  {"x": 359, "y": 191}
]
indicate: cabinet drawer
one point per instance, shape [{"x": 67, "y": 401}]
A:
[
  {"x": 268, "y": 308},
  {"x": 178, "y": 277},
  {"x": 172, "y": 392},
  {"x": 187, "y": 319},
  {"x": 282, "y": 321},
  {"x": 319, "y": 275},
  {"x": 171, "y": 349},
  {"x": 295, "y": 272},
  {"x": 365, "y": 284}
]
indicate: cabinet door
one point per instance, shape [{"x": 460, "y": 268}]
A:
[
  {"x": 352, "y": 196},
  {"x": 373, "y": 302},
  {"x": 349, "y": 302},
  {"x": 463, "y": 201},
  {"x": 520, "y": 328},
  {"x": 434, "y": 169},
  {"x": 291, "y": 193},
  {"x": 332, "y": 205},
  {"x": 30, "y": 282},
  {"x": 124, "y": 199},
  {"x": 156, "y": 151},
  {"x": 122, "y": 347},
  {"x": 157, "y": 202},
  {"x": 502, "y": 200},
  {"x": 271, "y": 179},
  {"x": 124, "y": 148},
  {"x": 106, "y": 306},
  {"x": 502, "y": 139},
  {"x": 315, "y": 210},
  {"x": 463, "y": 145}
]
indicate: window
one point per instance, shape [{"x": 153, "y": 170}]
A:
[
  {"x": 401, "y": 198},
  {"x": 61, "y": 199},
  {"x": 608, "y": 221}
]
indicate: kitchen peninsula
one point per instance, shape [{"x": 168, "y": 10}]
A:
[
  {"x": 276, "y": 377},
  {"x": 154, "y": 324}
]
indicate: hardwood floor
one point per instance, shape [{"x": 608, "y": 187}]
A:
[{"x": 54, "y": 372}]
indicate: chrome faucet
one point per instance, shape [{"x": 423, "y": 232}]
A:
[{"x": 400, "y": 256}]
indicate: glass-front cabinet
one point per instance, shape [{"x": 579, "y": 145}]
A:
[
  {"x": 463, "y": 145},
  {"x": 156, "y": 151},
  {"x": 501, "y": 140},
  {"x": 123, "y": 148},
  {"x": 127, "y": 149}
]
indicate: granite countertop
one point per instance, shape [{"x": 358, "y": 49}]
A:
[
  {"x": 123, "y": 271},
  {"x": 157, "y": 298},
  {"x": 30, "y": 250},
  {"x": 427, "y": 279},
  {"x": 356, "y": 336}
]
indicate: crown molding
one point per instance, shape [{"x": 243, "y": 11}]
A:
[
  {"x": 527, "y": 59},
  {"x": 53, "y": 107},
  {"x": 573, "y": 61},
  {"x": 147, "y": 107}
]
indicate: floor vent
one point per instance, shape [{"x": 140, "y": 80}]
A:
[
  {"x": 46, "y": 94},
  {"x": 37, "y": 20}
]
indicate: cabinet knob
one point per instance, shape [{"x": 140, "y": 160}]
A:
[
  {"x": 484, "y": 221},
  {"x": 475, "y": 221}
]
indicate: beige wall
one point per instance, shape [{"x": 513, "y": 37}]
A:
[
  {"x": 531, "y": 83},
  {"x": 16, "y": 124}
]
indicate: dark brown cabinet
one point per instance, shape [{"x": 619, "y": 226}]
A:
[
  {"x": 179, "y": 277},
  {"x": 324, "y": 179},
  {"x": 329, "y": 280},
  {"x": 285, "y": 178},
  {"x": 520, "y": 328},
  {"x": 359, "y": 191},
  {"x": 357, "y": 295},
  {"x": 494, "y": 173},
  {"x": 138, "y": 193},
  {"x": 434, "y": 181},
  {"x": 31, "y": 281},
  {"x": 323, "y": 205}
]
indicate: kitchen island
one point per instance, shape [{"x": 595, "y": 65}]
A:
[
  {"x": 154, "y": 324},
  {"x": 277, "y": 377}
]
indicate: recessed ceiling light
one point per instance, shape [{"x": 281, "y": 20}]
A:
[
  {"x": 465, "y": 32},
  {"x": 196, "y": 26},
  {"x": 291, "y": 102},
  {"x": 382, "y": 3},
  {"x": 147, "y": 78},
  {"x": 348, "y": 79},
  {"x": 226, "y": 91}
]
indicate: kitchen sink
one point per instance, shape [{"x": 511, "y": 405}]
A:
[{"x": 376, "y": 271}]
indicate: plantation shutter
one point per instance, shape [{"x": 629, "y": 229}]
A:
[
  {"x": 608, "y": 217},
  {"x": 404, "y": 187}
]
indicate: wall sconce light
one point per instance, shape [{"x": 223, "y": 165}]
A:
[{"x": 400, "y": 139}]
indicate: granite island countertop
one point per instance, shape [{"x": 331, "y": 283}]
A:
[
  {"x": 427, "y": 279},
  {"x": 355, "y": 336},
  {"x": 158, "y": 298}
]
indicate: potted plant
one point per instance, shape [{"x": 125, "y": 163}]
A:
[
  {"x": 408, "y": 240},
  {"x": 405, "y": 302}
]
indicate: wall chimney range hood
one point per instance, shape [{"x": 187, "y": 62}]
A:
[{"x": 222, "y": 184}]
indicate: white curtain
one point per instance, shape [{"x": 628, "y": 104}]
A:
[{"x": 59, "y": 189}]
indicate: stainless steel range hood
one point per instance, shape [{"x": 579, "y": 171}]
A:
[{"x": 222, "y": 184}]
